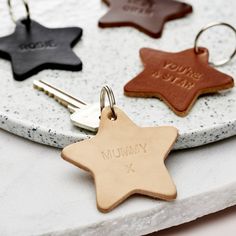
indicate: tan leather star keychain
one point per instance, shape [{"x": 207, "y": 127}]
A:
[
  {"x": 123, "y": 158},
  {"x": 179, "y": 78}
]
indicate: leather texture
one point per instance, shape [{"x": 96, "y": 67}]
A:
[
  {"x": 35, "y": 48},
  {"x": 177, "y": 78},
  {"x": 125, "y": 159},
  {"x": 148, "y": 16}
]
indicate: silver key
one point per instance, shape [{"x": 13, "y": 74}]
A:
[{"x": 83, "y": 115}]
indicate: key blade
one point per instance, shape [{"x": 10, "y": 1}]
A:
[{"x": 59, "y": 95}]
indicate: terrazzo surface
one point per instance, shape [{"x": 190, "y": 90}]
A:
[{"x": 111, "y": 56}]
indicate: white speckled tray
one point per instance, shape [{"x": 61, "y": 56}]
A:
[{"x": 111, "y": 56}]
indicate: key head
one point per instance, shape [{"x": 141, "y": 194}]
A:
[{"x": 87, "y": 117}]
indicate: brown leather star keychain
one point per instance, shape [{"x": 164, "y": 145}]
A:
[
  {"x": 148, "y": 16},
  {"x": 123, "y": 158},
  {"x": 179, "y": 78}
]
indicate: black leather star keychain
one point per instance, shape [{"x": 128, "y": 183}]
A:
[{"x": 33, "y": 47}]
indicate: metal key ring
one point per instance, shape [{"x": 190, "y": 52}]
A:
[
  {"x": 26, "y": 5},
  {"x": 111, "y": 98},
  {"x": 196, "y": 48}
]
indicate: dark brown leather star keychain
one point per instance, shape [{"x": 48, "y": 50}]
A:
[
  {"x": 179, "y": 78},
  {"x": 33, "y": 47},
  {"x": 148, "y": 16}
]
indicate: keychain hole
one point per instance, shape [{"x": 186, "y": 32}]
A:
[
  {"x": 111, "y": 116},
  {"x": 200, "y": 50},
  {"x": 26, "y": 23}
]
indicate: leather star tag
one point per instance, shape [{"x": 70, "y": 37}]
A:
[
  {"x": 34, "y": 48},
  {"x": 125, "y": 159},
  {"x": 177, "y": 78},
  {"x": 148, "y": 16}
]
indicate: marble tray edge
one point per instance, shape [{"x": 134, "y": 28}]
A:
[
  {"x": 52, "y": 138},
  {"x": 159, "y": 218}
]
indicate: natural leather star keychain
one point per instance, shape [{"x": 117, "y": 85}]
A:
[
  {"x": 124, "y": 158},
  {"x": 148, "y": 16},
  {"x": 179, "y": 78},
  {"x": 33, "y": 47}
]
